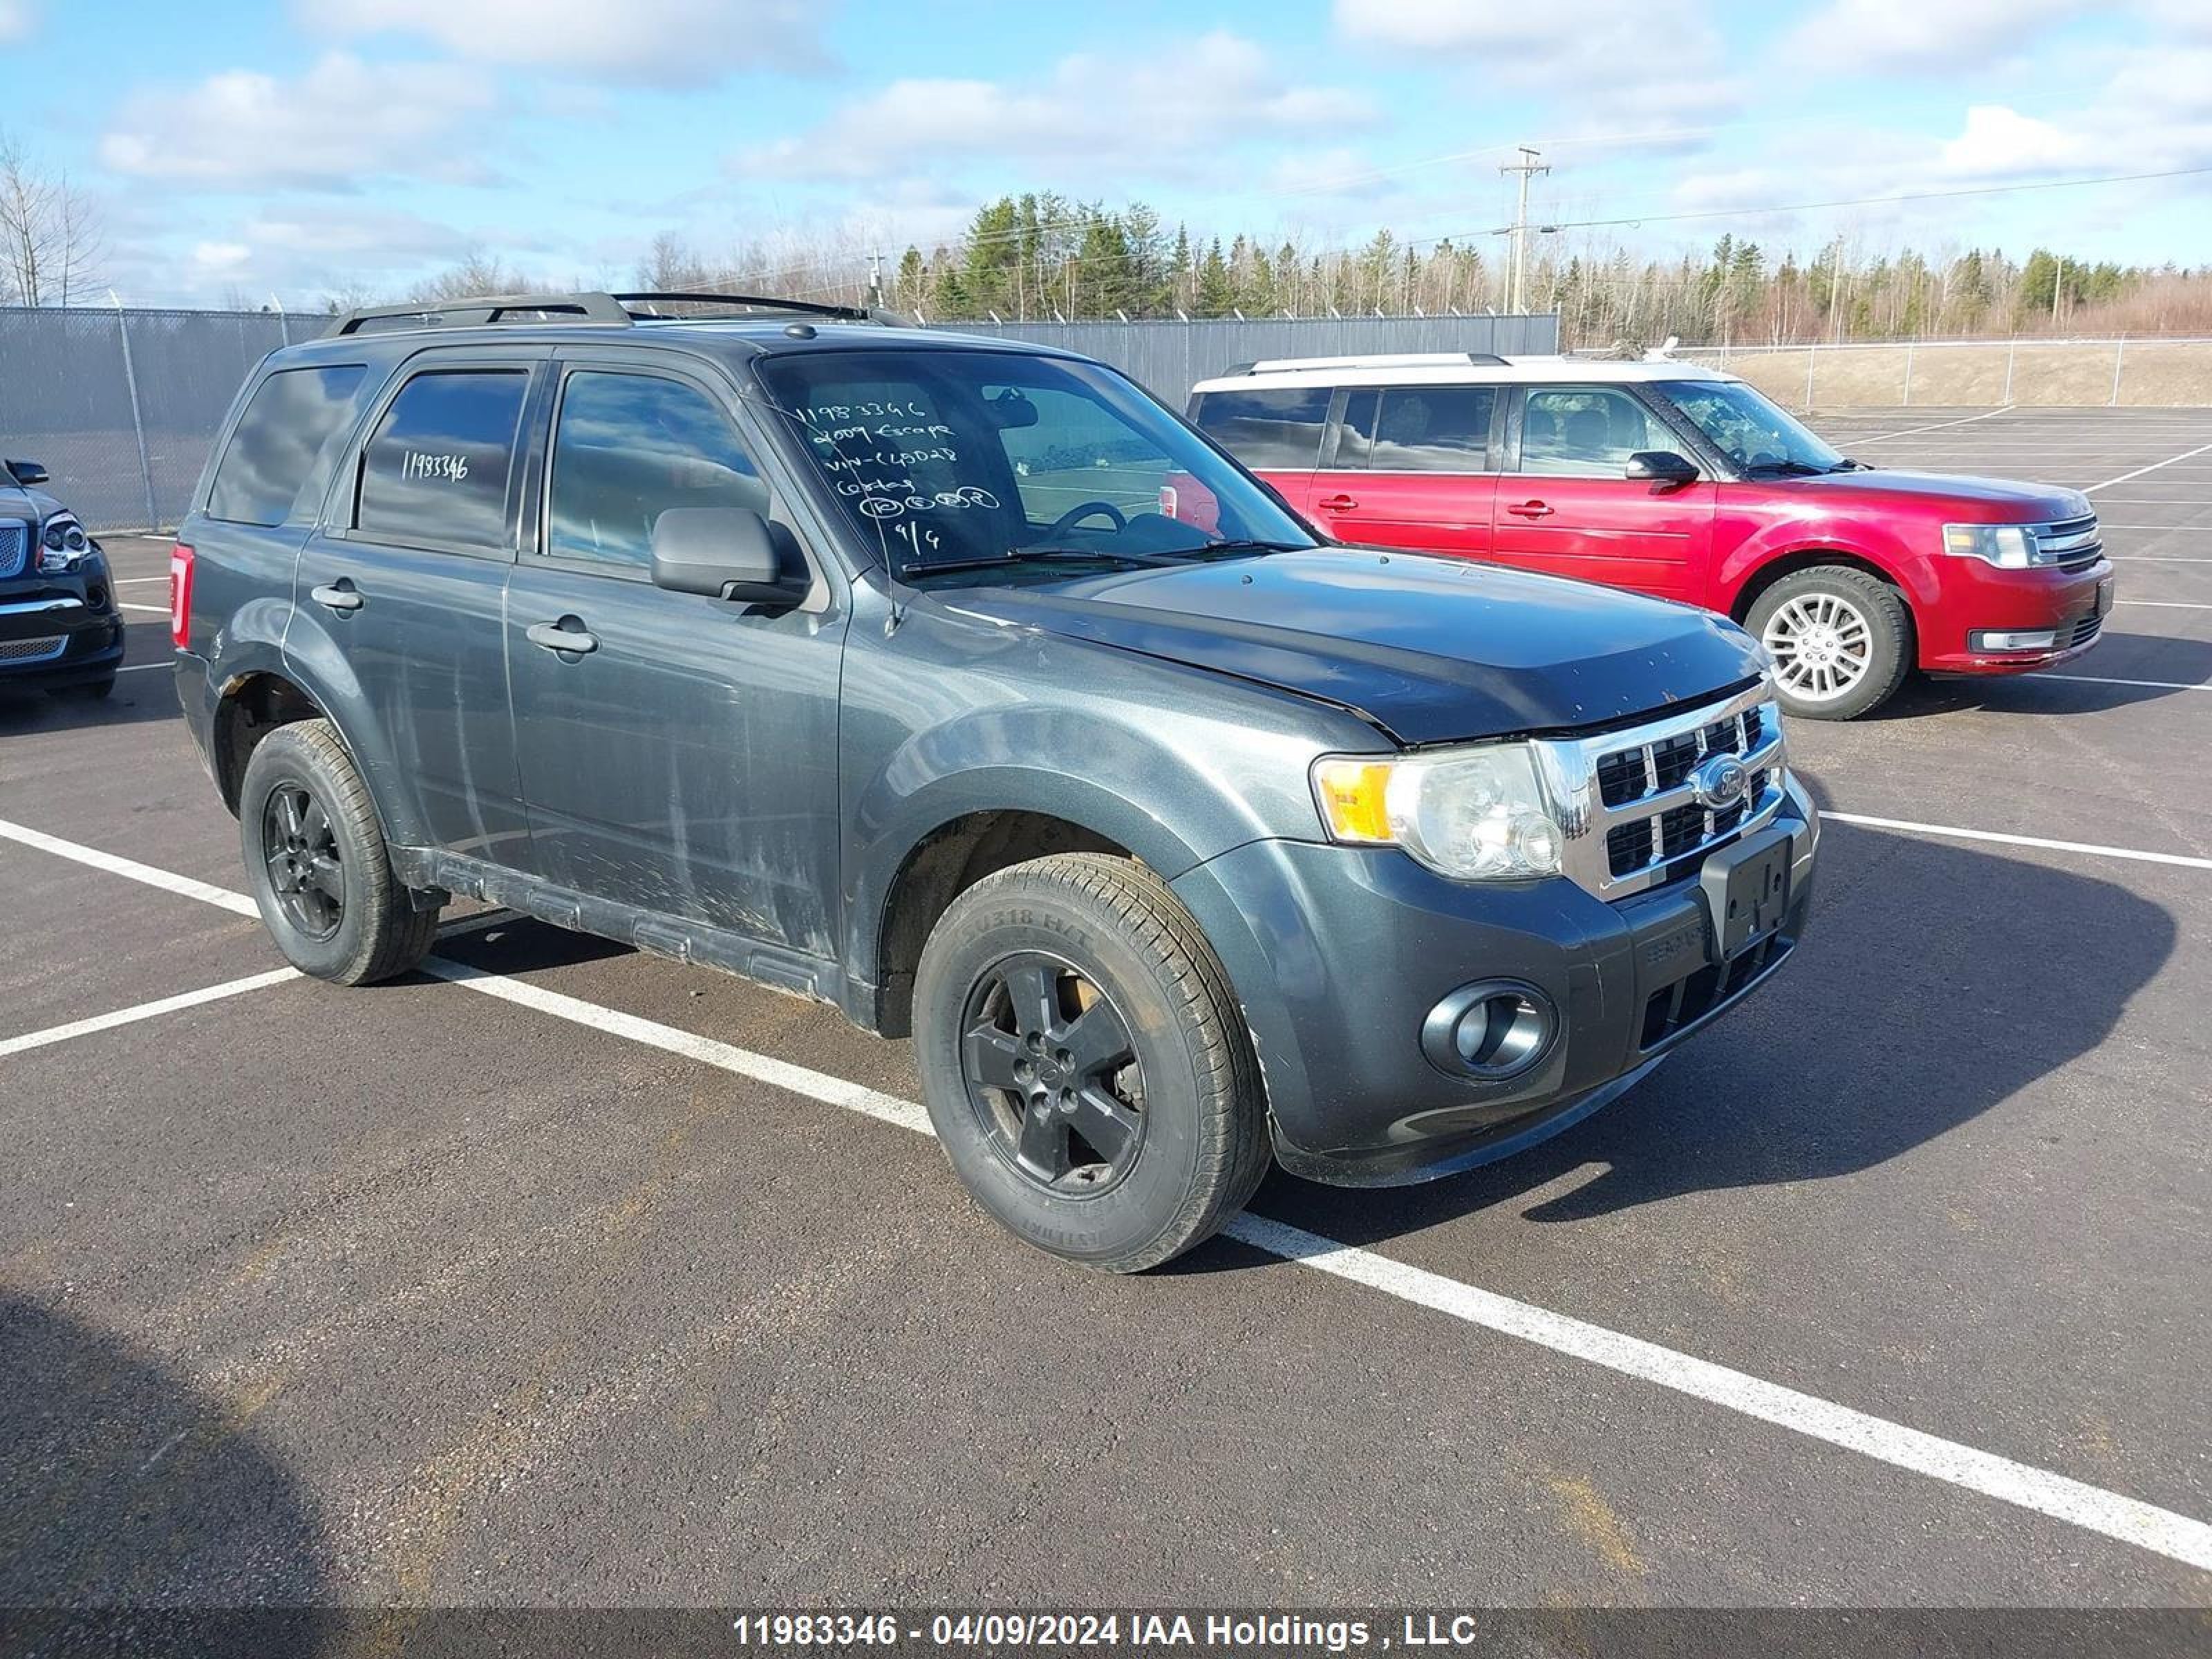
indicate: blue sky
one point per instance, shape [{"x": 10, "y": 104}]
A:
[{"x": 297, "y": 146}]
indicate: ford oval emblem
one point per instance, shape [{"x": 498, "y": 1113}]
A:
[{"x": 1721, "y": 782}]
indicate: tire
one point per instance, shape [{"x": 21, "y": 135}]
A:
[
  {"x": 316, "y": 864},
  {"x": 1180, "y": 1126},
  {"x": 1842, "y": 641}
]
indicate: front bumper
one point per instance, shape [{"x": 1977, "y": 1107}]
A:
[
  {"x": 1980, "y": 599},
  {"x": 59, "y": 630},
  {"x": 1339, "y": 955}
]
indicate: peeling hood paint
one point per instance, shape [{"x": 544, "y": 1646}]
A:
[{"x": 1429, "y": 650}]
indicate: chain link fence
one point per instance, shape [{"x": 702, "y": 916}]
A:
[
  {"x": 120, "y": 405},
  {"x": 2146, "y": 372}
]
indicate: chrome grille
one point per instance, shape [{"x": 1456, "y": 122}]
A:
[
  {"x": 1633, "y": 813},
  {"x": 2072, "y": 544},
  {"x": 33, "y": 650},
  {"x": 14, "y": 548}
]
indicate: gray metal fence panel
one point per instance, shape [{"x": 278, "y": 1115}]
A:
[
  {"x": 1166, "y": 358},
  {"x": 125, "y": 440},
  {"x": 121, "y": 406}
]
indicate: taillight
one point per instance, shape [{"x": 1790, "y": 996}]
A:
[{"x": 181, "y": 595}]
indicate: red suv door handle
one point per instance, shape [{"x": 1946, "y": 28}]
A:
[
  {"x": 1336, "y": 503},
  {"x": 1530, "y": 510}
]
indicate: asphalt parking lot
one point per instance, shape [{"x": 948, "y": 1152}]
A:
[{"x": 566, "y": 1274}]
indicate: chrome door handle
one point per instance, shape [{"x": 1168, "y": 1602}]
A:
[
  {"x": 1530, "y": 510},
  {"x": 554, "y": 637},
  {"x": 339, "y": 596}
]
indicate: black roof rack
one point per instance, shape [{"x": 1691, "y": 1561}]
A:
[{"x": 616, "y": 309}]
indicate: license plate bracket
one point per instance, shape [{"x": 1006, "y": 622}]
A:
[{"x": 1747, "y": 891}]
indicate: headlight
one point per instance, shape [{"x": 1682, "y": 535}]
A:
[
  {"x": 1477, "y": 814},
  {"x": 2008, "y": 546},
  {"x": 63, "y": 543}
]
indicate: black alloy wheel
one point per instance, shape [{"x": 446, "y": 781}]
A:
[
  {"x": 1052, "y": 1075},
  {"x": 305, "y": 869}
]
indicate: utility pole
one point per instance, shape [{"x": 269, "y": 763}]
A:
[
  {"x": 1525, "y": 166},
  {"x": 2057, "y": 288},
  {"x": 875, "y": 282}
]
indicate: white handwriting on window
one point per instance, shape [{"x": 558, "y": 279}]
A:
[{"x": 451, "y": 469}]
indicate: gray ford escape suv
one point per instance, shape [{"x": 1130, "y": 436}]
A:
[{"x": 859, "y": 660}]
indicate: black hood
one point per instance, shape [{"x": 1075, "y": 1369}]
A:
[{"x": 1429, "y": 650}]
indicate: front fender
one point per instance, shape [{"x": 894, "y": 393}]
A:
[{"x": 1889, "y": 550}]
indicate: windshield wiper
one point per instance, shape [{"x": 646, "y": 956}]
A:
[
  {"x": 1036, "y": 555},
  {"x": 1793, "y": 468},
  {"x": 1241, "y": 544}
]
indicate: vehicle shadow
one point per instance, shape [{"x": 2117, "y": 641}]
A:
[
  {"x": 1934, "y": 981},
  {"x": 2119, "y": 657},
  {"x": 137, "y": 1507}
]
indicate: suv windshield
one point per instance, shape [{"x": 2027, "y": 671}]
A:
[
  {"x": 961, "y": 467},
  {"x": 1755, "y": 434}
]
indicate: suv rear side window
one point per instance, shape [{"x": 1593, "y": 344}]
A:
[
  {"x": 1587, "y": 431},
  {"x": 628, "y": 448},
  {"x": 294, "y": 417},
  {"x": 436, "y": 471},
  {"x": 1279, "y": 430},
  {"x": 1418, "y": 428}
]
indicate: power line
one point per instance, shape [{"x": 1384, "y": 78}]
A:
[{"x": 1641, "y": 219}]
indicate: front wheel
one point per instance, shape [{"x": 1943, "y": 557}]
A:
[
  {"x": 315, "y": 861},
  {"x": 1841, "y": 639},
  {"x": 1085, "y": 1065}
]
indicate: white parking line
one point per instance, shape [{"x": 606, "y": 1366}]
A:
[
  {"x": 1884, "y": 437},
  {"x": 1952, "y": 832},
  {"x": 2148, "y": 685},
  {"x": 141, "y": 667},
  {"x": 2129, "y": 1520},
  {"x": 108, "y": 1021},
  {"x": 237, "y": 903},
  {"x": 2165, "y": 604},
  {"x": 158, "y": 610},
  {"x": 2169, "y": 461}
]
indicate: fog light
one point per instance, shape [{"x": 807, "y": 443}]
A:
[
  {"x": 1990, "y": 639},
  {"x": 1490, "y": 1031}
]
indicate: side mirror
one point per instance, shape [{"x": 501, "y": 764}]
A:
[
  {"x": 1661, "y": 466},
  {"x": 27, "y": 473},
  {"x": 726, "y": 553}
]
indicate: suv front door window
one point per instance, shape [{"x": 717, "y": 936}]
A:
[
  {"x": 1568, "y": 507},
  {"x": 685, "y": 761}
]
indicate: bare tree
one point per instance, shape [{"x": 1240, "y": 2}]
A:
[{"x": 49, "y": 240}]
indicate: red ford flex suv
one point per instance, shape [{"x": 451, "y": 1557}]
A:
[{"x": 1683, "y": 483}]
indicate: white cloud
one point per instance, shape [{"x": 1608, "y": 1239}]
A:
[
  {"x": 17, "y": 20},
  {"x": 662, "y": 42},
  {"x": 220, "y": 259},
  {"x": 340, "y": 124},
  {"x": 1934, "y": 36},
  {"x": 1997, "y": 142},
  {"x": 1647, "y": 65},
  {"x": 1175, "y": 106}
]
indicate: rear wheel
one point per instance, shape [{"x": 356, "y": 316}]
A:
[
  {"x": 315, "y": 860},
  {"x": 1084, "y": 1064},
  {"x": 1841, "y": 639}
]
